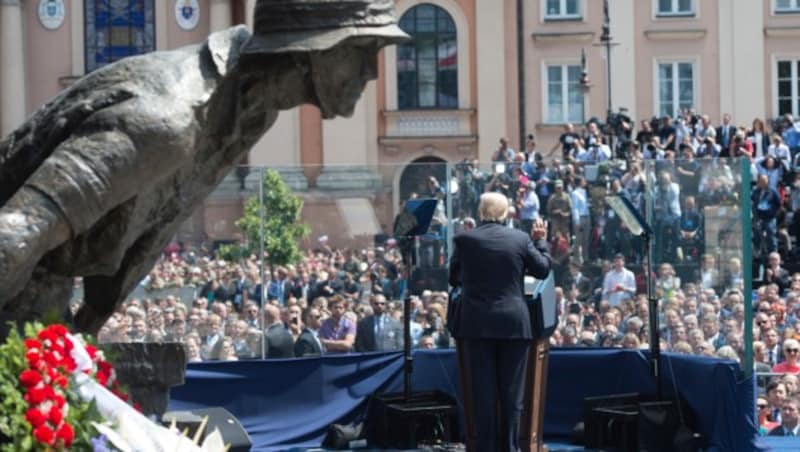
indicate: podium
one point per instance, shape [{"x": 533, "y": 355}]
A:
[{"x": 543, "y": 308}]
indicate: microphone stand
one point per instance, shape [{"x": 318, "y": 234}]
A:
[
  {"x": 408, "y": 360},
  {"x": 652, "y": 308}
]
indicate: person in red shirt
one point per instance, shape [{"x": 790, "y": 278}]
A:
[{"x": 791, "y": 352}]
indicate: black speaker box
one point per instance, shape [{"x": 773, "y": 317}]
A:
[
  {"x": 632, "y": 422},
  {"x": 596, "y": 432},
  {"x": 233, "y": 433},
  {"x": 395, "y": 423}
]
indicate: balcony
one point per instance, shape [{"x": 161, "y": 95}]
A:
[{"x": 403, "y": 125}]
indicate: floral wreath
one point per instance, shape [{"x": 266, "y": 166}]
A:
[{"x": 41, "y": 409}]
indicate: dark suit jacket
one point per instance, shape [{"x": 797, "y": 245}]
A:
[
  {"x": 777, "y": 431},
  {"x": 731, "y": 135},
  {"x": 280, "y": 343},
  {"x": 490, "y": 263},
  {"x": 306, "y": 345},
  {"x": 365, "y": 335}
]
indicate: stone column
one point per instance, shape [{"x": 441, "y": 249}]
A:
[
  {"x": 12, "y": 65},
  {"x": 220, "y": 15},
  {"x": 349, "y": 147}
]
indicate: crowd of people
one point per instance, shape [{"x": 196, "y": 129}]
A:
[{"x": 676, "y": 170}]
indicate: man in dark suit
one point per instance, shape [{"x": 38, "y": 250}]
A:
[
  {"x": 790, "y": 414},
  {"x": 280, "y": 343},
  {"x": 308, "y": 343},
  {"x": 726, "y": 132},
  {"x": 378, "y": 332},
  {"x": 492, "y": 322}
]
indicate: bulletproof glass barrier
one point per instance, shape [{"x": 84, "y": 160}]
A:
[{"x": 272, "y": 247}]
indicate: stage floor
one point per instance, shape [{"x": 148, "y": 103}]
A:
[
  {"x": 776, "y": 444},
  {"x": 552, "y": 446}
]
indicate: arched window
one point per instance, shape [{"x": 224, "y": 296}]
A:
[
  {"x": 427, "y": 65},
  {"x": 116, "y": 29}
]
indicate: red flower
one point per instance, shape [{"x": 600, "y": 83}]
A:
[
  {"x": 33, "y": 357},
  {"x": 91, "y": 350},
  {"x": 59, "y": 401},
  {"x": 32, "y": 344},
  {"x": 101, "y": 377},
  {"x": 55, "y": 416},
  {"x": 35, "y": 396},
  {"x": 44, "y": 434},
  {"x": 61, "y": 381},
  {"x": 49, "y": 392},
  {"x": 137, "y": 407},
  {"x": 30, "y": 378},
  {"x": 105, "y": 367},
  {"x": 58, "y": 330},
  {"x": 66, "y": 434},
  {"x": 35, "y": 417},
  {"x": 46, "y": 335}
]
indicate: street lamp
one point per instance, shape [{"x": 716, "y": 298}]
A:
[
  {"x": 585, "y": 82},
  {"x": 606, "y": 41}
]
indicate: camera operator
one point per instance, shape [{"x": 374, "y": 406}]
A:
[{"x": 708, "y": 149}]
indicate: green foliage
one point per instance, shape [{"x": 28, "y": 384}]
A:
[
  {"x": 14, "y": 429},
  {"x": 282, "y": 229},
  {"x": 233, "y": 252}
]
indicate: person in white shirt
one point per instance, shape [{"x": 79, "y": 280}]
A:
[
  {"x": 619, "y": 283},
  {"x": 780, "y": 152}
]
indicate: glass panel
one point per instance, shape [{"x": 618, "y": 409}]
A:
[
  {"x": 784, "y": 69},
  {"x": 448, "y": 73},
  {"x": 555, "y": 103},
  {"x": 784, "y": 106},
  {"x": 430, "y": 62},
  {"x": 685, "y": 71},
  {"x": 785, "y": 88},
  {"x": 666, "y": 109},
  {"x": 572, "y": 7},
  {"x": 426, "y": 18},
  {"x": 117, "y": 29},
  {"x": 409, "y": 21},
  {"x": 426, "y": 74},
  {"x": 665, "y": 6},
  {"x": 665, "y": 92},
  {"x": 783, "y": 4},
  {"x": 686, "y": 91},
  {"x": 553, "y": 7},
  {"x": 695, "y": 209},
  {"x": 685, "y": 6},
  {"x": 206, "y": 289}
]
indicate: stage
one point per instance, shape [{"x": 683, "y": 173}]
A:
[{"x": 288, "y": 404}]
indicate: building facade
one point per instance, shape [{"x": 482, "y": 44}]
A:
[{"x": 448, "y": 94}]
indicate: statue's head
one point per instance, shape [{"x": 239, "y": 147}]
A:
[{"x": 342, "y": 39}]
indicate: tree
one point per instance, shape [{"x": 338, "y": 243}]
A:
[{"x": 281, "y": 226}]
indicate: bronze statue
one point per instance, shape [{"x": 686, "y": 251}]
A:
[{"x": 97, "y": 181}]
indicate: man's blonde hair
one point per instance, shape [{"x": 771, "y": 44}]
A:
[{"x": 493, "y": 207}]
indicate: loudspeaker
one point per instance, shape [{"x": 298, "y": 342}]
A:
[
  {"x": 233, "y": 433},
  {"x": 395, "y": 423},
  {"x": 597, "y": 412}
]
